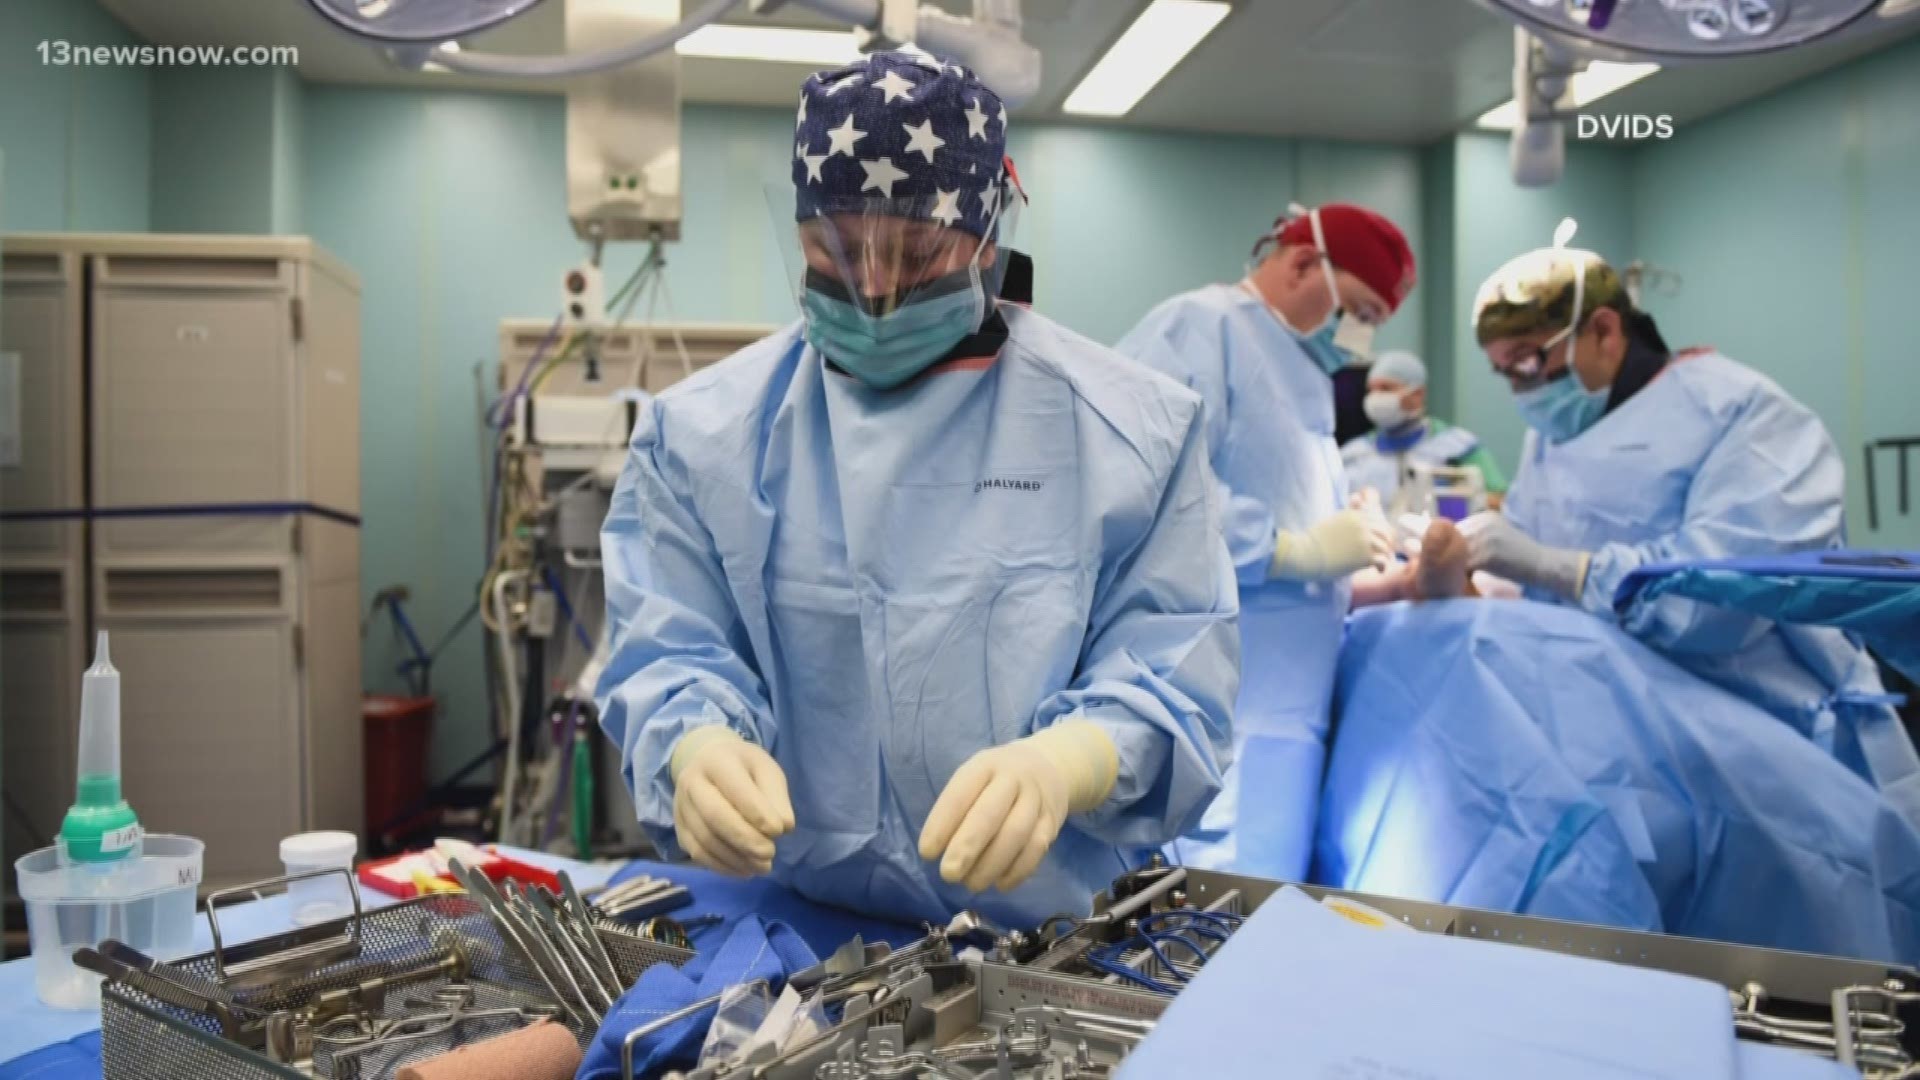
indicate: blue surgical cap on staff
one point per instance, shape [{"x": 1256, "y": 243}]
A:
[{"x": 1402, "y": 367}]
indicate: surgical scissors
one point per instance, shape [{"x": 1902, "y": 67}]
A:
[{"x": 528, "y": 942}]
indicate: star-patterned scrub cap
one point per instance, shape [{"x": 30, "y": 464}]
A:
[{"x": 904, "y": 129}]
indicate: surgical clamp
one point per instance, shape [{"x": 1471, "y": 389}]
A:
[
  {"x": 480, "y": 888},
  {"x": 583, "y": 918},
  {"x": 351, "y": 1039}
]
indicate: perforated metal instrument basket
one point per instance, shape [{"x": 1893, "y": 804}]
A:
[{"x": 144, "y": 1037}]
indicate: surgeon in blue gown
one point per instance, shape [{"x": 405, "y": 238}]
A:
[
  {"x": 1262, "y": 353},
  {"x": 1542, "y": 755},
  {"x": 1635, "y": 456},
  {"x": 919, "y": 604}
]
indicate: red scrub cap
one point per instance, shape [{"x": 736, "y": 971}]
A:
[{"x": 1362, "y": 243}]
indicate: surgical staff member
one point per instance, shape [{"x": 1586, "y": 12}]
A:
[
  {"x": 1404, "y": 434},
  {"x": 1636, "y": 456},
  {"x": 919, "y": 604},
  {"x": 1262, "y": 353}
]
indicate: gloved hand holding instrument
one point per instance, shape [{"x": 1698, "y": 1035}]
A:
[
  {"x": 1495, "y": 545},
  {"x": 996, "y": 818},
  {"x": 730, "y": 801}
]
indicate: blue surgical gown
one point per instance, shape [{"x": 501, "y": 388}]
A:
[
  {"x": 1525, "y": 757},
  {"x": 875, "y": 585},
  {"x": 1370, "y": 464},
  {"x": 1712, "y": 460},
  {"x": 1269, "y": 434}
]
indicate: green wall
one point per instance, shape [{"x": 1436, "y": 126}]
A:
[
  {"x": 213, "y": 159},
  {"x": 289, "y": 129},
  {"x": 227, "y": 150},
  {"x": 1794, "y": 223},
  {"x": 1438, "y": 295},
  {"x": 133, "y": 149},
  {"x": 78, "y": 139}
]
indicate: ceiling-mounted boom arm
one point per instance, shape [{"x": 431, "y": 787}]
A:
[
  {"x": 989, "y": 43},
  {"x": 594, "y": 62},
  {"x": 1542, "y": 71}
]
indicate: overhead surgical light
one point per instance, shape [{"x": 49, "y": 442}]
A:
[
  {"x": 419, "y": 22},
  {"x": 1688, "y": 29},
  {"x": 1559, "y": 45},
  {"x": 413, "y": 32}
]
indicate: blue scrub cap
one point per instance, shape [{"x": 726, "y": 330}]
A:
[
  {"x": 903, "y": 128},
  {"x": 1401, "y": 366}
]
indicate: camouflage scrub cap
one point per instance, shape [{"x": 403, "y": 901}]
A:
[{"x": 1535, "y": 292}]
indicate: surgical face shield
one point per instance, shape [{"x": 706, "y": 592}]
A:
[
  {"x": 887, "y": 286},
  {"x": 886, "y": 254},
  {"x": 882, "y": 262}
]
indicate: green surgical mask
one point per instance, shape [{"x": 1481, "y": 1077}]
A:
[{"x": 886, "y": 350}]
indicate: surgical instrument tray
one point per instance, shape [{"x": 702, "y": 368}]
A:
[
  {"x": 356, "y": 998},
  {"x": 1071, "y": 997},
  {"x": 1862, "y": 1013},
  {"x": 962, "y": 1020}
]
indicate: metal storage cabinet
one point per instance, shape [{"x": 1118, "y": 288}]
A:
[
  {"x": 209, "y": 389},
  {"x": 223, "y": 406},
  {"x": 42, "y": 562}
]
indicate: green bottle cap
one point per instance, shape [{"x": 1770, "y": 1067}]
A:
[{"x": 100, "y": 826}]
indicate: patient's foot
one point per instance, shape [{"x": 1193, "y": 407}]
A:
[{"x": 1441, "y": 572}]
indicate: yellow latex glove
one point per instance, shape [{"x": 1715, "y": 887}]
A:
[
  {"x": 729, "y": 801},
  {"x": 1002, "y": 810},
  {"x": 1338, "y": 545}
]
